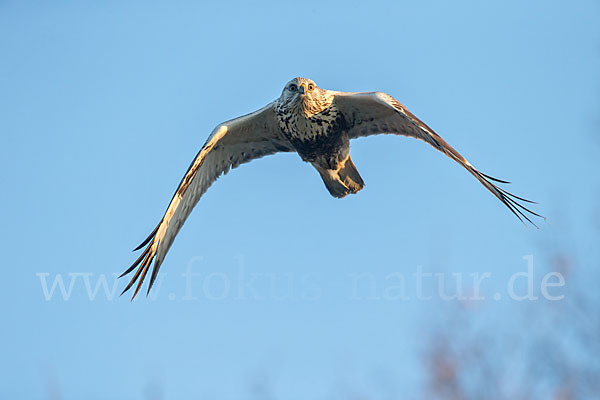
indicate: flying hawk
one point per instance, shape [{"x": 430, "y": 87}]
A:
[{"x": 318, "y": 125}]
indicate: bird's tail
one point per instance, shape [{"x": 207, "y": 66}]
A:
[
  {"x": 344, "y": 181},
  {"x": 350, "y": 176}
]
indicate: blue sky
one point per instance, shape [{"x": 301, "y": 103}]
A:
[{"x": 104, "y": 104}]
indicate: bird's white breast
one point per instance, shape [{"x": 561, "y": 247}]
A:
[{"x": 304, "y": 127}]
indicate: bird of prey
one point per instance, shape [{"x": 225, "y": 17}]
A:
[{"x": 318, "y": 125}]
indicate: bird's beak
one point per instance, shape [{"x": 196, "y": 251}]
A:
[{"x": 302, "y": 89}]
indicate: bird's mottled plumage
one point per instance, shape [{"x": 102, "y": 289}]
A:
[{"x": 317, "y": 124}]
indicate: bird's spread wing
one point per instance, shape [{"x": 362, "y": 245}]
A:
[
  {"x": 374, "y": 113},
  {"x": 232, "y": 143}
]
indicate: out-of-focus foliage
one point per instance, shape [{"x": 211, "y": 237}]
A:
[{"x": 550, "y": 351}]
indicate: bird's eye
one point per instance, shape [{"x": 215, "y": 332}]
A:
[
  {"x": 311, "y": 86},
  {"x": 293, "y": 88}
]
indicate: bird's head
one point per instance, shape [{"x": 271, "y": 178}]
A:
[{"x": 304, "y": 94}]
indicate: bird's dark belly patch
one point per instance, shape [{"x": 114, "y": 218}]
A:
[
  {"x": 328, "y": 149},
  {"x": 321, "y": 139}
]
